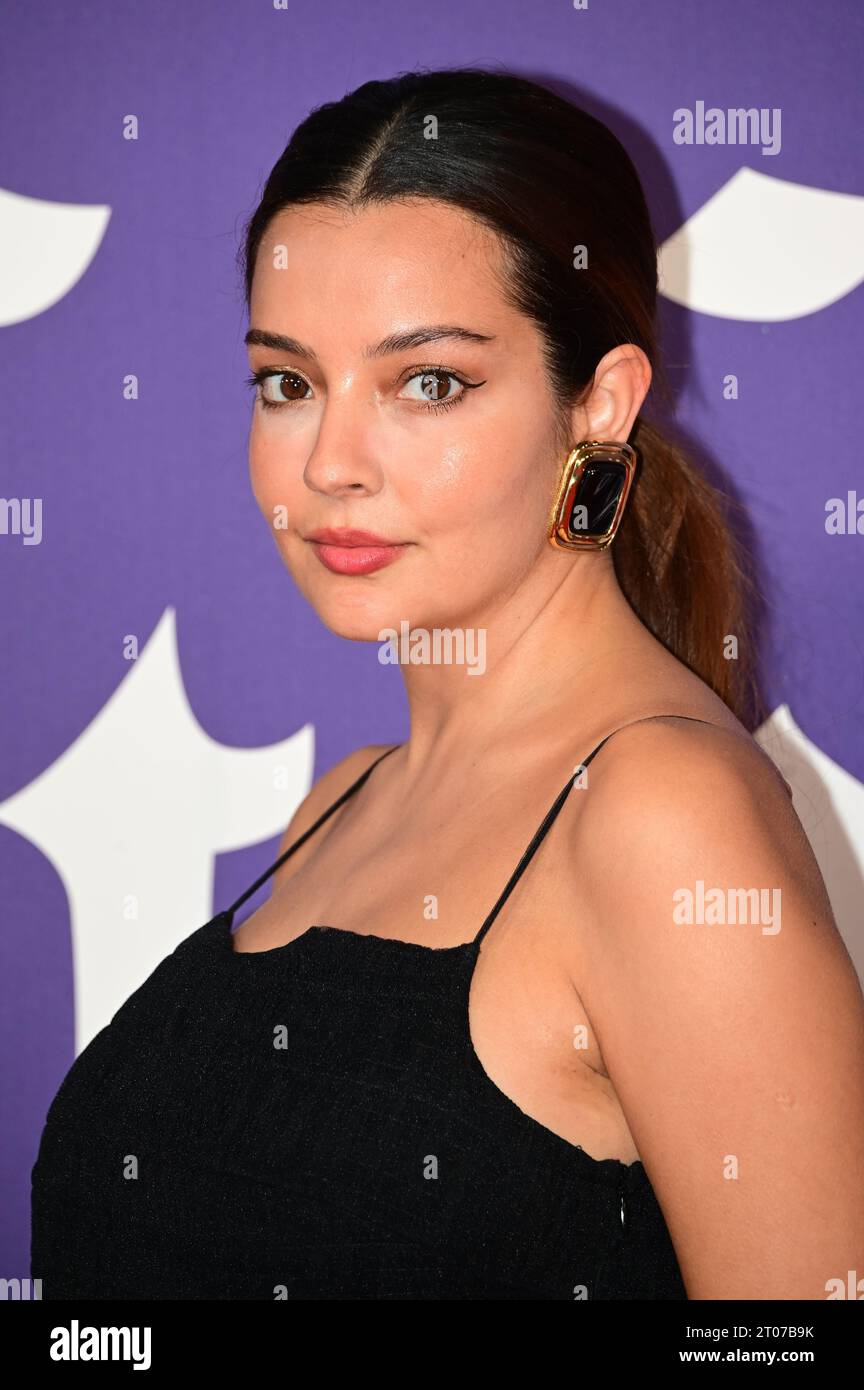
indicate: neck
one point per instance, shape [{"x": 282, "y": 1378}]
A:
[{"x": 558, "y": 649}]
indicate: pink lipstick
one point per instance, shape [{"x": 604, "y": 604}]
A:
[{"x": 345, "y": 550}]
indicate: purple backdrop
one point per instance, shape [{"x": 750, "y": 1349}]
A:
[{"x": 146, "y": 503}]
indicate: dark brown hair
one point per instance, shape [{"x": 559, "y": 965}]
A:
[{"x": 546, "y": 177}]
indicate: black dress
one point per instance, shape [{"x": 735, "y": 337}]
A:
[{"x": 312, "y": 1122}]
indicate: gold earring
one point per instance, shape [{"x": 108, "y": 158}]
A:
[{"x": 592, "y": 495}]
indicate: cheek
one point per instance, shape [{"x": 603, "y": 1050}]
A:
[
  {"x": 446, "y": 478},
  {"x": 270, "y": 472},
  {"x": 490, "y": 488}
]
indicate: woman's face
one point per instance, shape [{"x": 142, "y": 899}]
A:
[{"x": 444, "y": 447}]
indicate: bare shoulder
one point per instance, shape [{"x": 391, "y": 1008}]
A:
[
  {"x": 667, "y": 782},
  {"x": 327, "y": 789},
  {"x": 726, "y": 1006}
]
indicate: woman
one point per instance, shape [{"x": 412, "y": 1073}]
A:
[{"x": 451, "y": 279}]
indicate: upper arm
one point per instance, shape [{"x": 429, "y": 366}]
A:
[
  {"x": 736, "y": 1050},
  {"x": 329, "y": 786}
]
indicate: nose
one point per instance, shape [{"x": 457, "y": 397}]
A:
[{"x": 343, "y": 459}]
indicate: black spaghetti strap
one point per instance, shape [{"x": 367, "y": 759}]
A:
[
  {"x": 549, "y": 818},
  {"x": 355, "y": 786}
]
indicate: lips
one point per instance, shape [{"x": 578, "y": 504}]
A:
[
  {"x": 346, "y": 536},
  {"x": 349, "y": 551}
]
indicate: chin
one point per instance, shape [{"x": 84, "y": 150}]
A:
[
  {"x": 353, "y": 628},
  {"x": 358, "y": 618}
]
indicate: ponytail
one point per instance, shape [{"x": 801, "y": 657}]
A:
[{"x": 683, "y": 573}]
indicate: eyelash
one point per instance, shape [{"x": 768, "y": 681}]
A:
[{"x": 258, "y": 378}]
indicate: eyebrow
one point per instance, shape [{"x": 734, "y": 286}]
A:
[{"x": 394, "y": 342}]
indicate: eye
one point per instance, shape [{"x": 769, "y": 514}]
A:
[
  {"x": 433, "y": 385},
  {"x": 276, "y": 389}
]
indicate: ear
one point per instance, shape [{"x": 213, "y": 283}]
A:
[{"x": 620, "y": 385}]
